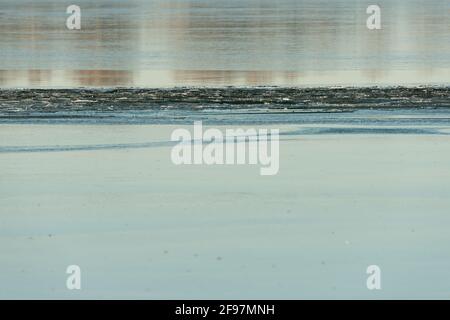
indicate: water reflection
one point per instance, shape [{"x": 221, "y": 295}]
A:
[
  {"x": 223, "y": 42},
  {"x": 167, "y": 78}
]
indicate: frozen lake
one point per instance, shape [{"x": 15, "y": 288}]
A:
[{"x": 141, "y": 227}]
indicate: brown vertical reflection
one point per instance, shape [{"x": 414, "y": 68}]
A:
[
  {"x": 101, "y": 78},
  {"x": 38, "y": 78}
]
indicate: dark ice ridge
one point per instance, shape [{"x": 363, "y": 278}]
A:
[{"x": 26, "y": 102}]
